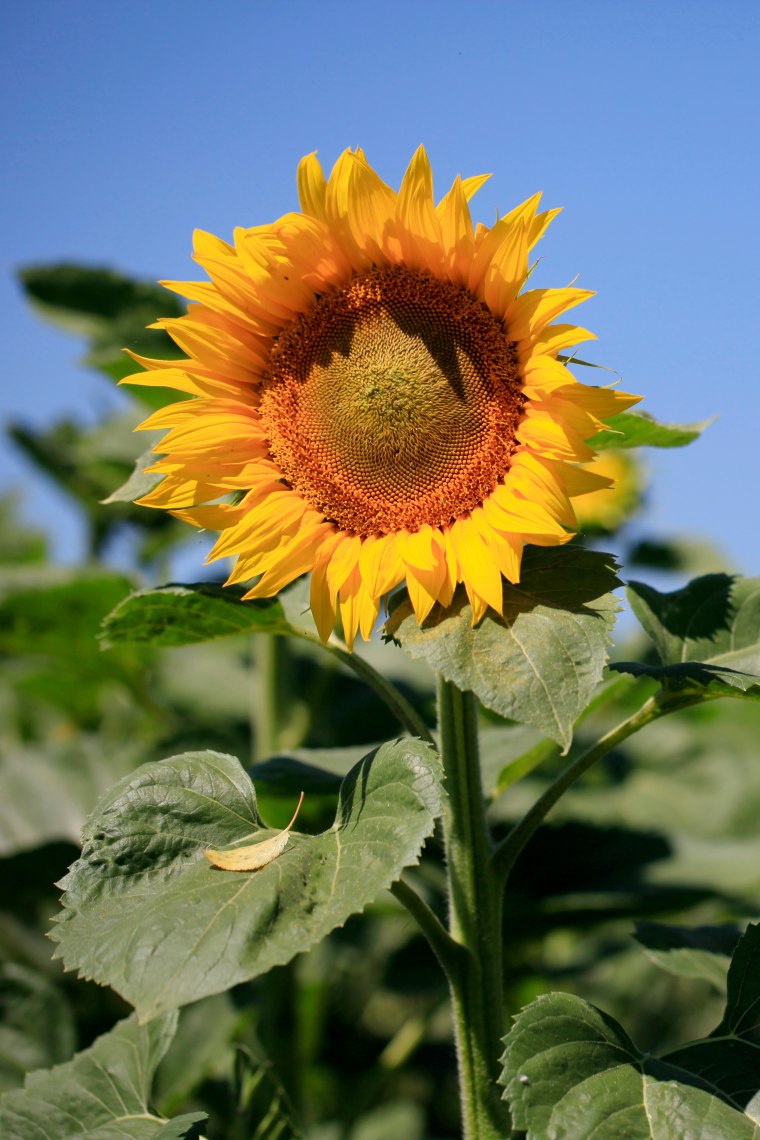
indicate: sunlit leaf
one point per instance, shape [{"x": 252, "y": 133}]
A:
[
  {"x": 147, "y": 914},
  {"x": 637, "y": 429},
  {"x": 540, "y": 664},
  {"x": 186, "y": 615}
]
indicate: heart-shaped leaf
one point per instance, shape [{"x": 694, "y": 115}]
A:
[
  {"x": 541, "y": 662},
  {"x": 571, "y": 1071},
  {"x": 103, "y": 1093},
  {"x": 145, "y": 913}
]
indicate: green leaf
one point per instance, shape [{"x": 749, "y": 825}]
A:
[
  {"x": 540, "y": 664},
  {"x": 138, "y": 484},
  {"x": 690, "y": 952},
  {"x": 571, "y": 1071},
  {"x": 186, "y": 615},
  {"x": 103, "y": 1093},
  {"x": 637, "y": 429},
  {"x": 145, "y": 913},
  {"x": 111, "y": 311},
  {"x": 706, "y": 634},
  {"x": 729, "y": 1059}
]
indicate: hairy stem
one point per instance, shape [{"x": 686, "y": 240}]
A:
[
  {"x": 268, "y": 697},
  {"x": 475, "y": 978}
]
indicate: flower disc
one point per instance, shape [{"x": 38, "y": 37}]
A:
[
  {"x": 373, "y": 398},
  {"x": 393, "y": 403}
]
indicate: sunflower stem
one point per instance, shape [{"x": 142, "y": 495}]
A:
[
  {"x": 270, "y": 655},
  {"x": 475, "y": 976}
]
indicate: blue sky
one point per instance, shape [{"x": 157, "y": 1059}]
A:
[{"x": 125, "y": 126}]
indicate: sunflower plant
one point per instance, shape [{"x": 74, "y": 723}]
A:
[{"x": 378, "y": 422}]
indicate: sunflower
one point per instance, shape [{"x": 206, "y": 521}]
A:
[{"x": 373, "y": 399}]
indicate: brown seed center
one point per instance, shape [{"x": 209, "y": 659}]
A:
[{"x": 393, "y": 403}]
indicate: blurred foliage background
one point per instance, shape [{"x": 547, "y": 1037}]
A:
[{"x": 352, "y": 1039}]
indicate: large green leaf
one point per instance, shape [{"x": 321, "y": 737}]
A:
[
  {"x": 570, "y": 1071},
  {"x": 102, "y": 1094},
  {"x": 706, "y": 634},
  {"x": 186, "y": 615},
  {"x": 541, "y": 662},
  {"x": 637, "y": 429},
  {"x": 145, "y": 913}
]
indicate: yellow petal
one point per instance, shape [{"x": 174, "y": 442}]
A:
[
  {"x": 506, "y": 272},
  {"x": 312, "y": 186},
  {"x": 456, "y": 233},
  {"x": 532, "y": 311},
  {"x": 255, "y": 855},
  {"x": 419, "y": 229},
  {"x": 321, "y": 602},
  {"x": 477, "y": 565}
]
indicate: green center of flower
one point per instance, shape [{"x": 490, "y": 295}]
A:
[{"x": 393, "y": 403}]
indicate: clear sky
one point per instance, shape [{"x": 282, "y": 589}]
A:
[{"x": 127, "y": 125}]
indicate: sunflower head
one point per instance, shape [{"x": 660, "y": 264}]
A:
[{"x": 374, "y": 398}]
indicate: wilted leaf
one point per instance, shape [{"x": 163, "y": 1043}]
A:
[
  {"x": 254, "y": 856},
  {"x": 146, "y": 914},
  {"x": 103, "y": 1093},
  {"x": 637, "y": 429},
  {"x": 540, "y": 664}
]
